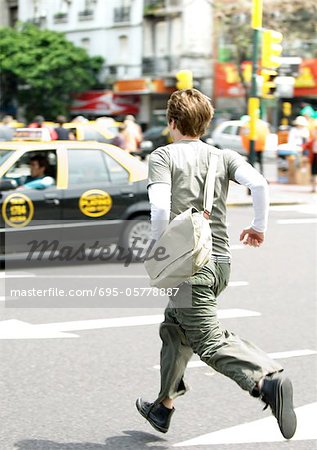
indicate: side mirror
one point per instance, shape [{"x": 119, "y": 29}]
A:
[{"x": 8, "y": 185}]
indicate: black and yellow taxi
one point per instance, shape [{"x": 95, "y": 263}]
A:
[
  {"x": 96, "y": 192},
  {"x": 101, "y": 130}
]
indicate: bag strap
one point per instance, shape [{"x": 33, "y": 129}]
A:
[{"x": 210, "y": 185}]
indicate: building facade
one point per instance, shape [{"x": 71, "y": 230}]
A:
[
  {"x": 111, "y": 29},
  {"x": 144, "y": 42},
  {"x": 9, "y": 13}
]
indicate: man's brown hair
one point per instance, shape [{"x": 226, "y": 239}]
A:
[{"x": 191, "y": 110}]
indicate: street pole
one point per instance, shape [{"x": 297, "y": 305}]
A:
[{"x": 254, "y": 101}]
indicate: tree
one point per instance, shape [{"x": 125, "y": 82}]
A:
[{"x": 41, "y": 69}]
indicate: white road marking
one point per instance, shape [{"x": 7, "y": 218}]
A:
[
  {"x": 263, "y": 430},
  {"x": 296, "y": 221},
  {"x": 276, "y": 355},
  {"x": 238, "y": 283},
  {"x": 237, "y": 247},
  {"x": 17, "y": 275},
  {"x": 16, "y": 329},
  {"x": 292, "y": 354},
  {"x": 304, "y": 209},
  {"x": 94, "y": 276},
  {"x": 4, "y": 299}
]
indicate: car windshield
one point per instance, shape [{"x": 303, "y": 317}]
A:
[{"x": 4, "y": 154}]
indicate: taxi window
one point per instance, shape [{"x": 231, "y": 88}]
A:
[
  {"x": 117, "y": 173},
  {"x": 4, "y": 154},
  {"x": 21, "y": 168},
  {"x": 86, "y": 166}
]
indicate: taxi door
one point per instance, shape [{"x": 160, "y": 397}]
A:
[
  {"x": 31, "y": 218},
  {"x": 98, "y": 194}
]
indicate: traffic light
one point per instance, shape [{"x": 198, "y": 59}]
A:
[
  {"x": 268, "y": 86},
  {"x": 184, "y": 79},
  {"x": 287, "y": 109},
  {"x": 271, "y": 49}
]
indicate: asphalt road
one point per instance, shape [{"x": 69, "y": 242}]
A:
[{"x": 72, "y": 383}]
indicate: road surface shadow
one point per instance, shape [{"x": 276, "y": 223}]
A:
[{"x": 136, "y": 440}]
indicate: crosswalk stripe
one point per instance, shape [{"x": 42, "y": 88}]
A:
[
  {"x": 263, "y": 430},
  {"x": 296, "y": 221},
  {"x": 276, "y": 355}
]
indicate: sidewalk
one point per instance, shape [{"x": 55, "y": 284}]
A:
[{"x": 280, "y": 194}]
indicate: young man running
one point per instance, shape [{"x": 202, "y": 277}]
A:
[{"x": 177, "y": 174}]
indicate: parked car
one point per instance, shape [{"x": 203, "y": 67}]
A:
[{"x": 227, "y": 135}]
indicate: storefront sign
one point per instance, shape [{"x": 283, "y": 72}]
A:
[
  {"x": 306, "y": 82},
  {"x": 227, "y": 81},
  {"x": 100, "y": 103}
]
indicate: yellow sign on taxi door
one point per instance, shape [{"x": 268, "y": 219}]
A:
[
  {"x": 95, "y": 203},
  {"x": 17, "y": 210}
]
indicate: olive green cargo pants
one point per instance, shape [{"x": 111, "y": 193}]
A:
[{"x": 187, "y": 330}]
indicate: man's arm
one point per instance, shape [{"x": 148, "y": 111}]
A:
[
  {"x": 160, "y": 200},
  {"x": 248, "y": 176},
  {"x": 41, "y": 183},
  {"x": 159, "y": 190}
]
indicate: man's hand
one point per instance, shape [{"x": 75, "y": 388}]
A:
[{"x": 251, "y": 237}]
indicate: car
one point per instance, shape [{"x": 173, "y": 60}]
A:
[
  {"x": 99, "y": 194},
  {"x": 227, "y": 135},
  {"x": 91, "y": 131}
]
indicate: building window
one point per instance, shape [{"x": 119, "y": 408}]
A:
[
  {"x": 88, "y": 12},
  {"x": 123, "y": 49},
  {"x": 85, "y": 43},
  {"x": 13, "y": 15},
  {"x": 122, "y": 14}
]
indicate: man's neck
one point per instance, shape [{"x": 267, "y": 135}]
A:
[{"x": 185, "y": 138}]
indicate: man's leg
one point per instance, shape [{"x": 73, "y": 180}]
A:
[
  {"x": 175, "y": 354},
  {"x": 225, "y": 352},
  {"x": 232, "y": 356}
]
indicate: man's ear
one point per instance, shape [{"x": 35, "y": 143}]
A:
[{"x": 172, "y": 124}]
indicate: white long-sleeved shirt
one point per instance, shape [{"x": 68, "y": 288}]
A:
[{"x": 160, "y": 200}]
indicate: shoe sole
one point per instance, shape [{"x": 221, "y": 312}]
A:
[
  {"x": 156, "y": 427},
  {"x": 286, "y": 415}
]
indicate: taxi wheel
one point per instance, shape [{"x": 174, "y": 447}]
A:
[{"x": 136, "y": 236}]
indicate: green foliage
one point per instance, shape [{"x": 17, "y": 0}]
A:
[
  {"x": 42, "y": 69},
  {"x": 296, "y": 20}
]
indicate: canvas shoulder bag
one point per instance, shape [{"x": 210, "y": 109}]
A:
[{"x": 187, "y": 241}]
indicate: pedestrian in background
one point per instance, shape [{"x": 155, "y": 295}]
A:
[
  {"x": 6, "y": 131},
  {"x": 132, "y": 134},
  {"x": 309, "y": 113},
  {"x": 311, "y": 147},
  {"x": 299, "y": 134},
  {"x": 177, "y": 174},
  {"x": 119, "y": 140},
  {"x": 63, "y": 134},
  {"x": 39, "y": 122},
  {"x": 263, "y": 130}
]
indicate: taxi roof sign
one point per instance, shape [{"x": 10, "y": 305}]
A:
[{"x": 32, "y": 134}]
